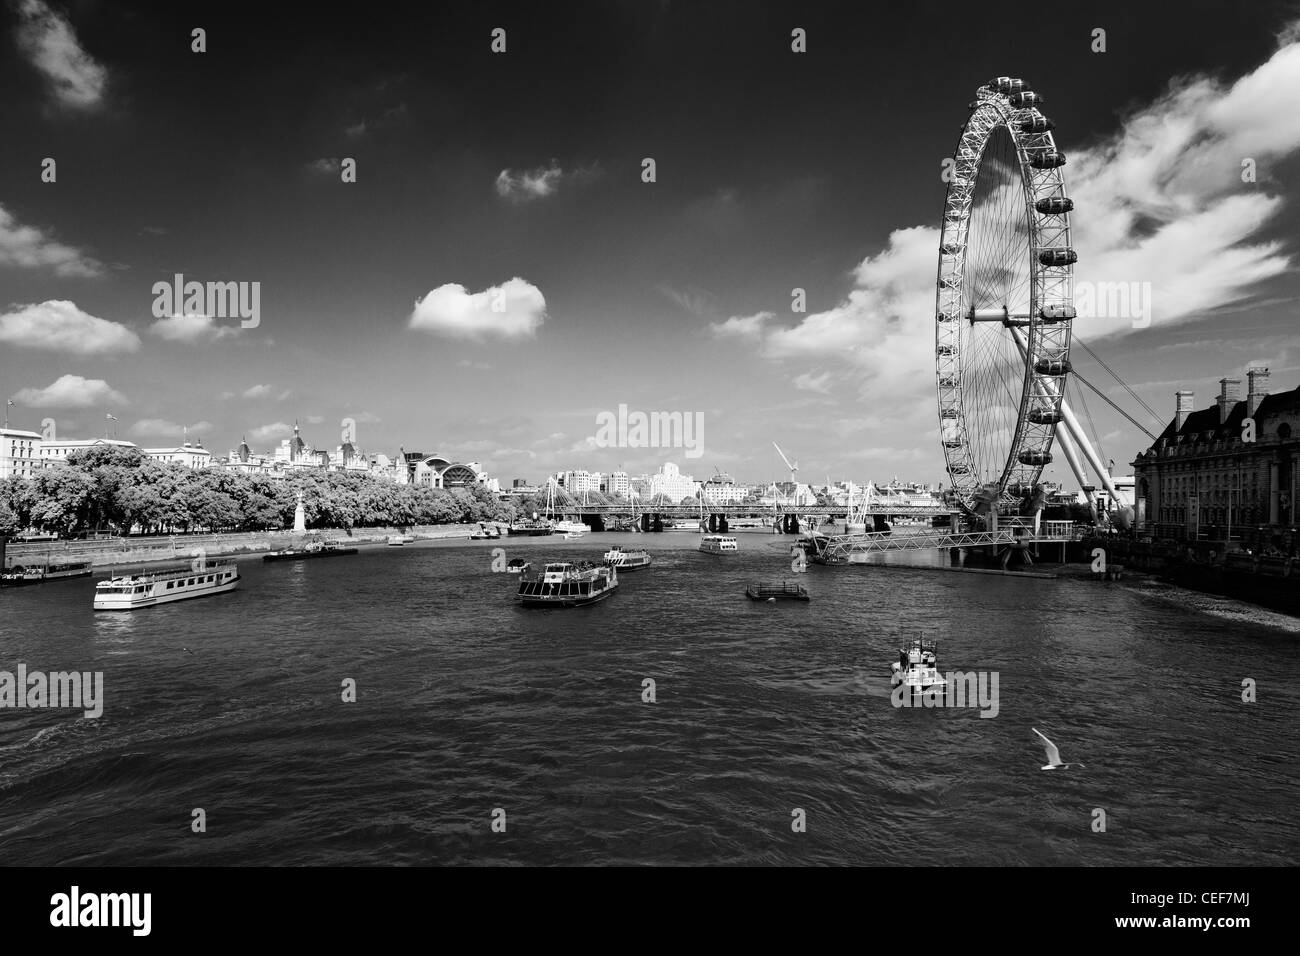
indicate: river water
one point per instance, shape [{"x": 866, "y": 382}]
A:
[{"x": 467, "y": 704}]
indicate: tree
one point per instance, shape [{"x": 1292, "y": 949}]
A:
[{"x": 8, "y": 520}]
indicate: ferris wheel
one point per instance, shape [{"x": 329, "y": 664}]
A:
[{"x": 1004, "y": 302}]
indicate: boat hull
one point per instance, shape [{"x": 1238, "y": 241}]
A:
[
  {"x": 567, "y": 600},
  {"x": 24, "y": 580},
  {"x": 131, "y": 602},
  {"x": 308, "y": 555}
]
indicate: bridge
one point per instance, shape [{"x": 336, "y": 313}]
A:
[
  {"x": 1016, "y": 533},
  {"x": 754, "y": 510},
  {"x": 717, "y": 517}
]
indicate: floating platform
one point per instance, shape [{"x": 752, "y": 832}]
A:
[{"x": 777, "y": 592}]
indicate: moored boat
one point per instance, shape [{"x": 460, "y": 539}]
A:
[
  {"x": 485, "y": 532},
  {"x": 21, "y": 574},
  {"x": 130, "y": 591},
  {"x": 570, "y": 527},
  {"x": 396, "y": 540},
  {"x": 568, "y": 585},
  {"x": 627, "y": 560},
  {"x": 531, "y": 528},
  {"x": 313, "y": 549}
]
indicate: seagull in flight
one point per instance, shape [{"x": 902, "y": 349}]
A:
[{"x": 1054, "y": 755}]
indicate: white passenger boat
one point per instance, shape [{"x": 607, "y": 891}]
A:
[
  {"x": 131, "y": 591},
  {"x": 570, "y": 527},
  {"x": 568, "y": 585},
  {"x": 718, "y": 544},
  {"x": 627, "y": 560},
  {"x": 396, "y": 540}
]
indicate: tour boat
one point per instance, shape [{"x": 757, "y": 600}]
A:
[
  {"x": 627, "y": 560},
  {"x": 130, "y": 591},
  {"x": 570, "y": 527},
  {"x": 530, "y": 528},
  {"x": 568, "y": 585},
  {"x": 312, "y": 549},
  {"x": 21, "y": 574},
  {"x": 777, "y": 592},
  {"x": 396, "y": 540},
  {"x": 718, "y": 544},
  {"x": 916, "y": 667}
]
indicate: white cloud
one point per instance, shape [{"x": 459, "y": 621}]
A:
[
  {"x": 1161, "y": 201},
  {"x": 59, "y": 326},
  {"x": 270, "y": 432},
  {"x": 742, "y": 326},
  {"x": 71, "y": 391},
  {"x": 29, "y": 248},
  {"x": 191, "y": 328},
  {"x": 266, "y": 391},
  {"x": 148, "y": 427},
  {"x": 512, "y": 310},
  {"x": 808, "y": 382},
  {"x": 325, "y": 166},
  {"x": 528, "y": 185},
  {"x": 50, "y": 44}
]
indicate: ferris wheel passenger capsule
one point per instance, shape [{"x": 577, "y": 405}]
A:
[
  {"x": 1026, "y": 98},
  {"x": 1034, "y": 458},
  {"x": 1058, "y": 257},
  {"x": 1047, "y": 159},
  {"x": 1037, "y": 123},
  {"x": 1053, "y": 366},
  {"x": 1054, "y": 205},
  {"x": 1057, "y": 312}
]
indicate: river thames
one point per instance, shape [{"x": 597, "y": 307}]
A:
[{"x": 467, "y": 703}]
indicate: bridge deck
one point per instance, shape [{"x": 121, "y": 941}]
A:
[{"x": 837, "y": 548}]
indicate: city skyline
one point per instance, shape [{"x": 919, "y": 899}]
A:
[{"x": 377, "y": 296}]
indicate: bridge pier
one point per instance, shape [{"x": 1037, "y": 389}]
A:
[
  {"x": 645, "y": 521},
  {"x": 722, "y": 523},
  {"x": 657, "y": 524},
  {"x": 713, "y": 523}
]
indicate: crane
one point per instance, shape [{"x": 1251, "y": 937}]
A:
[{"x": 794, "y": 470}]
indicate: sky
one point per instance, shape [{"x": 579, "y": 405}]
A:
[{"x": 499, "y": 274}]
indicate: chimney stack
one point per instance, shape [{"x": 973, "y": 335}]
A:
[
  {"x": 1258, "y": 376},
  {"x": 1183, "y": 408},
  {"x": 1229, "y": 396}
]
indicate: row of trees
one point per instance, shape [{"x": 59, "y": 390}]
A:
[{"x": 120, "y": 490}]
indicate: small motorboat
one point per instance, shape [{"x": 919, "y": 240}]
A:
[
  {"x": 485, "y": 532},
  {"x": 777, "y": 592},
  {"x": 516, "y": 566},
  {"x": 396, "y": 540},
  {"x": 917, "y": 668},
  {"x": 573, "y": 535}
]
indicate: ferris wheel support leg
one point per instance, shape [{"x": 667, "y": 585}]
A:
[
  {"x": 1072, "y": 425},
  {"x": 1072, "y": 456},
  {"x": 1064, "y": 437}
]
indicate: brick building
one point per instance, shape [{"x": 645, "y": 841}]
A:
[{"x": 1203, "y": 480}]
